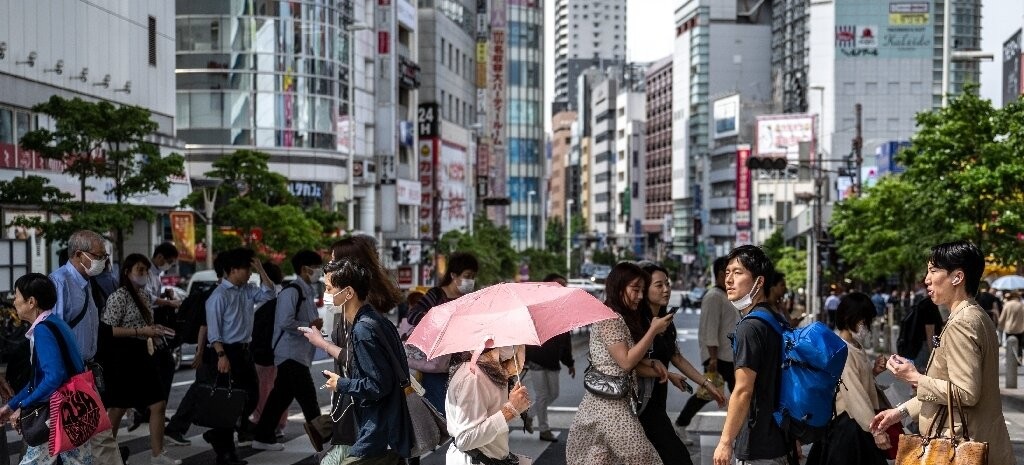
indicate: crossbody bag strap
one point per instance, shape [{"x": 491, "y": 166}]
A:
[
  {"x": 81, "y": 315},
  {"x": 396, "y": 365}
]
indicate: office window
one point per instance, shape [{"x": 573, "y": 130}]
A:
[{"x": 152, "y": 41}]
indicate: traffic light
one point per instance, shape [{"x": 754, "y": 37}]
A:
[
  {"x": 396, "y": 253},
  {"x": 767, "y": 163}
]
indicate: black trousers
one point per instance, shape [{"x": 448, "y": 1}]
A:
[
  {"x": 182, "y": 418},
  {"x": 243, "y": 375},
  {"x": 293, "y": 382},
  {"x": 694, "y": 403}
]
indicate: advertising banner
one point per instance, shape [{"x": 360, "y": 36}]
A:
[
  {"x": 451, "y": 187},
  {"x": 778, "y": 135},
  {"x": 726, "y": 113},
  {"x": 497, "y": 112},
  {"x": 742, "y": 187},
  {"x": 883, "y": 29},
  {"x": 183, "y": 231},
  {"x": 1011, "y": 68}
]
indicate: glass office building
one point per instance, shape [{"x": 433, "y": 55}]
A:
[{"x": 525, "y": 143}]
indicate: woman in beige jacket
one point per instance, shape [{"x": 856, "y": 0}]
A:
[{"x": 965, "y": 357}]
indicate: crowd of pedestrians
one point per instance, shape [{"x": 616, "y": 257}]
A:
[{"x": 259, "y": 337}]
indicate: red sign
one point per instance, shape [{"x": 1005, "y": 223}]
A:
[
  {"x": 742, "y": 187},
  {"x": 405, "y": 276},
  {"x": 383, "y": 44}
]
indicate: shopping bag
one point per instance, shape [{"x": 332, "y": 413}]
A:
[{"x": 76, "y": 410}]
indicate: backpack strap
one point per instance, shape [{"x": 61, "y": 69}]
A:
[
  {"x": 298, "y": 306},
  {"x": 395, "y": 362},
  {"x": 768, "y": 317},
  {"x": 65, "y": 352},
  {"x": 85, "y": 309}
]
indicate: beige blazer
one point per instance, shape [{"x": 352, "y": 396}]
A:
[{"x": 967, "y": 357}]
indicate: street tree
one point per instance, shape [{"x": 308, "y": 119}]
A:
[
  {"x": 102, "y": 141},
  {"x": 492, "y": 247},
  {"x": 787, "y": 259}
]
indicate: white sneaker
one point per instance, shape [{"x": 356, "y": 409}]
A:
[
  {"x": 684, "y": 436},
  {"x": 267, "y": 445},
  {"x": 164, "y": 459}
]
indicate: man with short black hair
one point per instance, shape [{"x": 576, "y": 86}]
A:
[
  {"x": 293, "y": 355},
  {"x": 757, "y": 350},
  {"x": 165, "y": 256},
  {"x": 229, "y": 318}
]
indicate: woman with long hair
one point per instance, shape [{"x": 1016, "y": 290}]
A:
[
  {"x": 384, "y": 293},
  {"x": 604, "y": 430},
  {"x": 654, "y": 418},
  {"x": 132, "y": 375}
]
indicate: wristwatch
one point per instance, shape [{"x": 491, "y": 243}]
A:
[{"x": 221, "y": 354}]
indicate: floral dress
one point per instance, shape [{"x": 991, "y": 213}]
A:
[{"x": 605, "y": 431}]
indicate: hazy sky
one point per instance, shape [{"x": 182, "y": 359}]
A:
[{"x": 651, "y": 26}]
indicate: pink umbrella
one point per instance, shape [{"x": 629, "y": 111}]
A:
[{"x": 504, "y": 315}]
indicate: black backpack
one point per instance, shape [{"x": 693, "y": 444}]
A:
[
  {"x": 263, "y": 329},
  {"x": 190, "y": 316}
]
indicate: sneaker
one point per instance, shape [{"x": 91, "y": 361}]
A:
[
  {"x": 279, "y": 434},
  {"x": 164, "y": 459},
  {"x": 267, "y": 445},
  {"x": 684, "y": 436},
  {"x": 244, "y": 438},
  {"x": 548, "y": 436},
  {"x": 314, "y": 436},
  {"x": 176, "y": 439}
]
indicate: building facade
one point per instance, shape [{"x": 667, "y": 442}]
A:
[
  {"x": 118, "y": 52},
  {"x": 630, "y": 152},
  {"x": 602, "y": 201},
  {"x": 658, "y": 158},
  {"x": 558, "y": 171},
  {"x": 588, "y": 33}
]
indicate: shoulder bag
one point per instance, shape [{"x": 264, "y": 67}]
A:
[
  {"x": 218, "y": 406},
  {"x": 915, "y": 449}
]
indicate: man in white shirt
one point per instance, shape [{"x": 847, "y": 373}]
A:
[{"x": 718, "y": 319}]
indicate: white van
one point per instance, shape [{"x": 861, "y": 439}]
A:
[{"x": 207, "y": 279}]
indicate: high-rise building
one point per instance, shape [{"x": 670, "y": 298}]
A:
[
  {"x": 267, "y": 76},
  {"x": 102, "y": 50},
  {"x": 588, "y": 33},
  {"x": 602, "y": 164},
  {"x": 722, "y": 74},
  {"x": 559, "y": 177},
  {"x": 658, "y": 157},
  {"x": 630, "y": 152}
]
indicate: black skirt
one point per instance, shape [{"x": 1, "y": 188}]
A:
[
  {"x": 846, "y": 444},
  {"x": 132, "y": 375}
]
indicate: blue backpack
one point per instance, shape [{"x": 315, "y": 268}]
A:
[{"x": 812, "y": 360}]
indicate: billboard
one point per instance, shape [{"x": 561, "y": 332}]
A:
[
  {"x": 1011, "y": 69},
  {"x": 183, "y": 231},
  {"x": 779, "y": 135},
  {"x": 742, "y": 187},
  {"x": 884, "y": 29},
  {"x": 726, "y": 115},
  {"x": 451, "y": 186}
]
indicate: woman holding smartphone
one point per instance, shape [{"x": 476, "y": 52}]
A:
[{"x": 654, "y": 418}]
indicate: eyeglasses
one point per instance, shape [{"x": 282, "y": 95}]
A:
[{"x": 95, "y": 256}]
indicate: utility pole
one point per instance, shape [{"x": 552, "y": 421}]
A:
[{"x": 858, "y": 145}]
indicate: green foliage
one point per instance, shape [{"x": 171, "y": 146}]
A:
[
  {"x": 962, "y": 181},
  {"x": 554, "y": 235},
  {"x": 543, "y": 263},
  {"x": 788, "y": 260},
  {"x": 492, "y": 246},
  {"x": 95, "y": 140},
  {"x": 604, "y": 257},
  {"x": 251, "y": 196}
]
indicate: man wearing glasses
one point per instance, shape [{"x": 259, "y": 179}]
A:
[{"x": 87, "y": 257}]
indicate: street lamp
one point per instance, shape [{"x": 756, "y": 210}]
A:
[
  {"x": 351, "y": 29},
  {"x": 209, "y": 198},
  {"x": 529, "y": 217},
  {"x": 568, "y": 232}
]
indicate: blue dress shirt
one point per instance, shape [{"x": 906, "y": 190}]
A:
[
  {"x": 230, "y": 310},
  {"x": 73, "y": 290}
]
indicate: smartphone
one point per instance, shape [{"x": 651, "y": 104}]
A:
[
  {"x": 325, "y": 374},
  {"x": 672, "y": 310},
  {"x": 305, "y": 329}
]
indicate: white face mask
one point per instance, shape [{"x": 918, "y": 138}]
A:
[
  {"x": 141, "y": 281},
  {"x": 862, "y": 334},
  {"x": 165, "y": 266},
  {"x": 746, "y": 300},
  {"x": 95, "y": 266},
  {"x": 506, "y": 353},
  {"x": 329, "y": 298},
  {"x": 466, "y": 285}
]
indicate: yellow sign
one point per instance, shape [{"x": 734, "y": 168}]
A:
[
  {"x": 908, "y": 19},
  {"x": 183, "y": 231}
]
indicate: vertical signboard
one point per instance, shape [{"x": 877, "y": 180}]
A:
[
  {"x": 451, "y": 186},
  {"x": 1011, "y": 69},
  {"x": 498, "y": 110},
  {"x": 428, "y": 128},
  {"x": 183, "y": 231},
  {"x": 386, "y": 128},
  {"x": 742, "y": 187}
]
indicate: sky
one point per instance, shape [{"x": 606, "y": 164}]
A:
[{"x": 651, "y": 26}]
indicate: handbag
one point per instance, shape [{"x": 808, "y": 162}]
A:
[
  {"x": 218, "y": 406},
  {"x": 430, "y": 429},
  {"x": 606, "y": 386},
  {"x": 915, "y": 449},
  {"x": 32, "y": 423},
  {"x": 76, "y": 412}
]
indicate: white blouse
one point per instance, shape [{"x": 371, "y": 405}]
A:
[{"x": 473, "y": 411}]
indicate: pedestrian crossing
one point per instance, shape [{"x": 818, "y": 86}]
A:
[{"x": 297, "y": 449}]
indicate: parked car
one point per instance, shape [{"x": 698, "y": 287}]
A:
[{"x": 693, "y": 297}]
